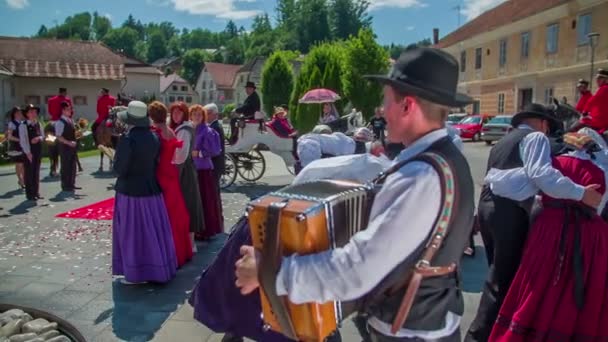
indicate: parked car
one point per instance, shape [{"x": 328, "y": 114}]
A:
[
  {"x": 470, "y": 126},
  {"x": 455, "y": 118},
  {"x": 496, "y": 128}
]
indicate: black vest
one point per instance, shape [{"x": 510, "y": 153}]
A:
[
  {"x": 436, "y": 296},
  {"x": 360, "y": 147},
  {"x": 15, "y": 145},
  {"x": 69, "y": 133},
  {"x": 33, "y": 130},
  {"x": 504, "y": 156}
]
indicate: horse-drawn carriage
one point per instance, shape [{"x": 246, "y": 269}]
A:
[{"x": 244, "y": 157}]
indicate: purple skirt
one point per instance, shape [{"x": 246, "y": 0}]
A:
[
  {"x": 142, "y": 244},
  {"x": 219, "y": 304}
]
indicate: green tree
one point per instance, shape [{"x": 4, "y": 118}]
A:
[
  {"x": 139, "y": 28},
  {"x": 262, "y": 40},
  {"x": 141, "y": 50},
  {"x": 234, "y": 52},
  {"x": 363, "y": 57},
  {"x": 101, "y": 26},
  {"x": 157, "y": 46},
  {"x": 192, "y": 64},
  {"x": 332, "y": 79},
  {"x": 122, "y": 39},
  {"x": 320, "y": 58},
  {"x": 277, "y": 81},
  {"x": 422, "y": 43},
  {"x": 312, "y": 24},
  {"x": 231, "y": 31},
  {"x": 175, "y": 46},
  {"x": 347, "y": 17},
  {"x": 42, "y": 32}
]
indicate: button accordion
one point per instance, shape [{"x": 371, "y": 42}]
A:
[{"x": 305, "y": 219}]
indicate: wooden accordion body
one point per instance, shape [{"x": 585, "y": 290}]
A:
[{"x": 305, "y": 219}]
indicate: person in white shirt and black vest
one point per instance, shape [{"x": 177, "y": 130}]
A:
[
  {"x": 378, "y": 263},
  {"x": 30, "y": 140},
  {"x": 504, "y": 222},
  {"x": 66, "y": 138}
]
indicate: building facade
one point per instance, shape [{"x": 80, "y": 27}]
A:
[
  {"x": 528, "y": 51},
  {"x": 250, "y": 72},
  {"x": 174, "y": 88},
  {"x": 215, "y": 83},
  {"x": 33, "y": 70},
  {"x": 142, "y": 80}
]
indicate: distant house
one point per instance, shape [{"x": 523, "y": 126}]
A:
[
  {"x": 250, "y": 72},
  {"x": 34, "y": 69},
  {"x": 214, "y": 84},
  {"x": 168, "y": 65},
  {"x": 174, "y": 88},
  {"x": 143, "y": 80}
]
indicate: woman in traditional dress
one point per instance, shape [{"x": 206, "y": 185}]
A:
[
  {"x": 142, "y": 244},
  {"x": 167, "y": 175},
  {"x": 207, "y": 144},
  {"x": 559, "y": 291},
  {"x": 188, "y": 179},
  {"x": 14, "y": 149}
]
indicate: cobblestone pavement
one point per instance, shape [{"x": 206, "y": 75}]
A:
[{"x": 63, "y": 265}]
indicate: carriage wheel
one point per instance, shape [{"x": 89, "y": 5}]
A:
[
  {"x": 251, "y": 165},
  {"x": 229, "y": 174}
]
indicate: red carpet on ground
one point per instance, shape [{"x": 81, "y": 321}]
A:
[{"x": 103, "y": 210}]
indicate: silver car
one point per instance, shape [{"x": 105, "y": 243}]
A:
[
  {"x": 496, "y": 128},
  {"x": 455, "y": 118}
]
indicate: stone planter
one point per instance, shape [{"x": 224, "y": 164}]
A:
[{"x": 63, "y": 326}]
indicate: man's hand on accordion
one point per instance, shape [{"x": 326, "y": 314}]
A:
[{"x": 247, "y": 270}]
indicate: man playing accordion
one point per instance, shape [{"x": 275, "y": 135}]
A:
[{"x": 404, "y": 265}]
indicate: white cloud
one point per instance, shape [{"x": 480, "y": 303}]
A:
[
  {"x": 375, "y": 4},
  {"x": 410, "y": 28},
  {"x": 18, "y": 4},
  {"x": 473, "y": 8},
  {"x": 225, "y": 9}
]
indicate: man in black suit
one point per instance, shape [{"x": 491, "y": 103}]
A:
[{"x": 247, "y": 110}]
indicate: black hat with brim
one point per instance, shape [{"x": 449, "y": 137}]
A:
[
  {"x": 30, "y": 106},
  {"x": 428, "y": 73},
  {"x": 536, "y": 111},
  {"x": 250, "y": 85}
]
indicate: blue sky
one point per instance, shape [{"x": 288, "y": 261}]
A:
[{"x": 397, "y": 21}]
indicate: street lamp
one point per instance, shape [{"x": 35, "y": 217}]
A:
[{"x": 593, "y": 38}]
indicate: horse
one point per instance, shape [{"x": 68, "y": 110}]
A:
[
  {"x": 348, "y": 123},
  {"x": 107, "y": 134}
]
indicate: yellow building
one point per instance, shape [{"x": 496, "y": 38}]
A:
[{"x": 528, "y": 51}]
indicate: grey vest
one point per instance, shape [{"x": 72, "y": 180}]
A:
[{"x": 436, "y": 296}]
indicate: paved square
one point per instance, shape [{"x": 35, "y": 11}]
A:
[{"x": 63, "y": 265}]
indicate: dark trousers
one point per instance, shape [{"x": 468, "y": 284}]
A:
[
  {"x": 504, "y": 228},
  {"x": 32, "y": 173},
  {"x": 218, "y": 175},
  {"x": 68, "y": 167},
  {"x": 93, "y": 129},
  {"x": 54, "y": 156},
  {"x": 379, "y": 337}
]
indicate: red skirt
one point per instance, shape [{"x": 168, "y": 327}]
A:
[
  {"x": 540, "y": 304},
  {"x": 211, "y": 199}
]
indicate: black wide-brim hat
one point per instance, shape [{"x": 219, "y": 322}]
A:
[
  {"x": 27, "y": 108},
  {"x": 428, "y": 73},
  {"x": 250, "y": 85},
  {"x": 538, "y": 111}
]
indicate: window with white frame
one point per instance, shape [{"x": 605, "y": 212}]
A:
[
  {"x": 583, "y": 28},
  {"x": 552, "y": 38},
  {"x": 502, "y": 56},
  {"x": 501, "y": 103},
  {"x": 525, "y": 45},
  {"x": 548, "y": 95}
]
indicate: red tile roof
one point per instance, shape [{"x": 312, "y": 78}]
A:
[
  {"x": 60, "y": 58},
  {"x": 166, "y": 81},
  {"x": 222, "y": 74},
  {"x": 508, "y": 12}
]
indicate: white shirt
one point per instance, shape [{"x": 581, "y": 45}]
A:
[
  {"x": 456, "y": 139},
  {"x": 182, "y": 153},
  {"x": 312, "y": 146},
  {"x": 352, "y": 271},
  {"x": 24, "y": 140},
  {"x": 535, "y": 152},
  {"x": 60, "y": 126}
]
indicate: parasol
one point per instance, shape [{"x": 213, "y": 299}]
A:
[{"x": 320, "y": 95}]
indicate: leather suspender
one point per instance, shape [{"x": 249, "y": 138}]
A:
[{"x": 423, "y": 268}]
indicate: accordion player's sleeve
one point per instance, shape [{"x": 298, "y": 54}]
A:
[{"x": 402, "y": 217}]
